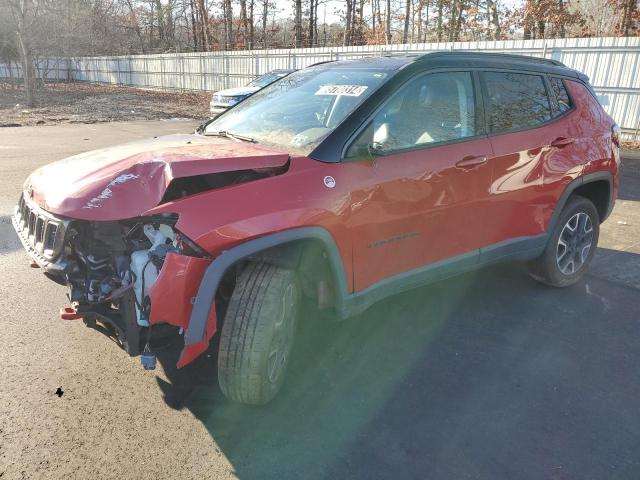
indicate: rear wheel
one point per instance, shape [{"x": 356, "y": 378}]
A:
[
  {"x": 258, "y": 333},
  {"x": 571, "y": 246}
]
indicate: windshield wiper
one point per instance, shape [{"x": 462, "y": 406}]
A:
[{"x": 224, "y": 133}]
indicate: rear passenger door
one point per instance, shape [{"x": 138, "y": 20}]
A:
[{"x": 522, "y": 118}]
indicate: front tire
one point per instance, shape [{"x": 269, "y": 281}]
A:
[
  {"x": 258, "y": 333},
  {"x": 571, "y": 246}
]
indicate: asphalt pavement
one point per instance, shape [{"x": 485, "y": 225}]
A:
[{"x": 486, "y": 376}]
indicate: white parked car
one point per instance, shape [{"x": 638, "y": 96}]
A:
[{"x": 228, "y": 98}]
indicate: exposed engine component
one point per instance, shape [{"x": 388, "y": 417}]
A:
[
  {"x": 146, "y": 264},
  {"x": 108, "y": 259}
]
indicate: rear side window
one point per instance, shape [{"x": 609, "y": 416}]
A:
[
  {"x": 516, "y": 101},
  {"x": 562, "y": 101}
]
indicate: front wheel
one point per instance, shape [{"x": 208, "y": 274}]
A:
[
  {"x": 571, "y": 246},
  {"x": 258, "y": 333}
]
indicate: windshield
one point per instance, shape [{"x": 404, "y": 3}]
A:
[
  {"x": 266, "y": 79},
  {"x": 300, "y": 110}
]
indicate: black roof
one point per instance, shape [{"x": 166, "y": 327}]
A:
[{"x": 459, "y": 58}]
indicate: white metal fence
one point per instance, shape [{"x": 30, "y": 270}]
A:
[{"x": 612, "y": 64}]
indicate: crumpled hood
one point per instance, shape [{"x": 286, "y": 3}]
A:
[{"x": 125, "y": 181}]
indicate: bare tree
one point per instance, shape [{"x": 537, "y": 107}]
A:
[
  {"x": 492, "y": 13},
  {"x": 244, "y": 23},
  {"x": 24, "y": 14},
  {"x": 297, "y": 25},
  {"x": 407, "y": 19}
]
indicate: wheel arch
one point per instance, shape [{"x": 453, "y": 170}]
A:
[
  {"x": 592, "y": 187},
  {"x": 286, "y": 248}
]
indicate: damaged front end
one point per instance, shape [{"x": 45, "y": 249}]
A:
[
  {"x": 123, "y": 276},
  {"x": 91, "y": 222}
]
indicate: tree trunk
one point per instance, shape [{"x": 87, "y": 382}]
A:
[
  {"x": 458, "y": 24},
  {"x": 228, "y": 24},
  {"x": 627, "y": 21},
  {"x": 527, "y": 33},
  {"x": 407, "y": 15},
  {"x": 439, "y": 28},
  {"x": 373, "y": 17},
  {"x": 388, "y": 25},
  {"x": 312, "y": 14},
  {"x": 492, "y": 8},
  {"x": 194, "y": 27},
  {"x": 561, "y": 18},
  {"x": 420, "y": 6},
  {"x": 28, "y": 74},
  {"x": 265, "y": 18},
  {"x": 244, "y": 24},
  {"x": 298, "y": 23},
  {"x": 23, "y": 13},
  {"x": 426, "y": 22},
  {"x": 452, "y": 19},
  {"x": 204, "y": 16},
  {"x": 251, "y": 24},
  {"x": 162, "y": 27},
  {"x": 348, "y": 27}
]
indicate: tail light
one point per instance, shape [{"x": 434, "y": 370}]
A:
[
  {"x": 615, "y": 135},
  {"x": 616, "y": 140}
]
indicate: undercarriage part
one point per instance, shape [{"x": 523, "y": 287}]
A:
[
  {"x": 148, "y": 358},
  {"x": 117, "y": 320}
]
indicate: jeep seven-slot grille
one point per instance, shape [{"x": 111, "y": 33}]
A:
[{"x": 39, "y": 229}]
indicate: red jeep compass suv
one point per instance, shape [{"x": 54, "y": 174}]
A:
[{"x": 344, "y": 182}]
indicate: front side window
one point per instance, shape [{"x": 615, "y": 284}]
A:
[
  {"x": 562, "y": 100},
  {"x": 299, "y": 111},
  {"x": 433, "y": 108},
  {"x": 516, "y": 101}
]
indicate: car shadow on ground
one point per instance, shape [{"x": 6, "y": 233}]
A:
[
  {"x": 630, "y": 178},
  {"x": 488, "y": 375},
  {"x": 9, "y": 241}
]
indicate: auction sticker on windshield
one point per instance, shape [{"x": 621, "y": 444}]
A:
[{"x": 348, "y": 90}]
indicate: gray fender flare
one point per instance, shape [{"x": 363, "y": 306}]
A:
[
  {"x": 205, "y": 297},
  {"x": 572, "y": 186}
]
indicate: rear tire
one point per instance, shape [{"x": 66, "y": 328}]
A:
[
  {"x": 571, "y": 246},
  {"x": 258, "y": 332}
]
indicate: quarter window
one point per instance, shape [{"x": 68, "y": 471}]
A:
[
  {"x": 516, "y": 101},
  {"x": 433, "y": 108},
  {"x": 562, "y": 101}
]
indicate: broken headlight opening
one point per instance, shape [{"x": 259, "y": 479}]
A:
[{"x": 112, "y": 266}]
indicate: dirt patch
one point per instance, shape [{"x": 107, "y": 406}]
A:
[{"x": 76, "y": 102}]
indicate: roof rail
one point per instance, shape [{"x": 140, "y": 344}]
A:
[{"x": 523, "y": 58}]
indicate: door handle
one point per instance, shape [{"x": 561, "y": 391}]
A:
[
  {"x": 471, "y": 161},
  {"x": 562, "y": 142}
]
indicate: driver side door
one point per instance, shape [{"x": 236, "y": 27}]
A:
[{"x": 421, "y": 179}]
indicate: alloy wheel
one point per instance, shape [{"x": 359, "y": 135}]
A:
[{"x": 574, "y": 243}]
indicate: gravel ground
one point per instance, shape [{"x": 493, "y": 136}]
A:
[
  {"x": 78, "y": 102},
  {"x": 486, "y": 376}
]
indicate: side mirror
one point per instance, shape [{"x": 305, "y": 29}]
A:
[{"x": 603, "y": 99}]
